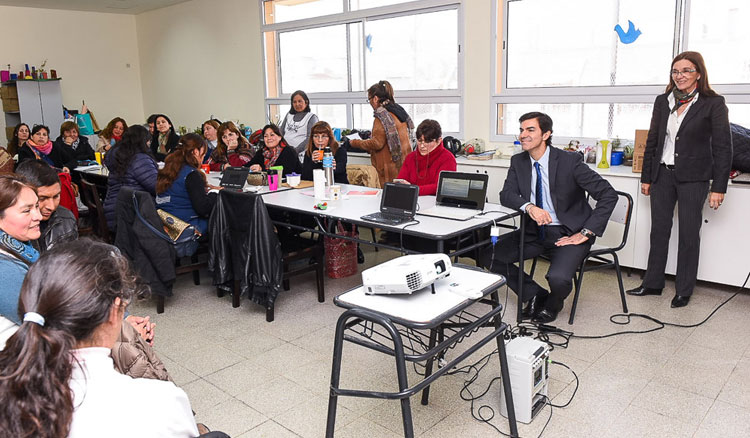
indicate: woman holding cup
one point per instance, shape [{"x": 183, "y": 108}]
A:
[
  {"x": 275, "y": 152},
  {"x": 322, "y": 136}
]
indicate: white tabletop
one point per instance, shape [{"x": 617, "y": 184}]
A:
[
  {"x": 96, "y": 169},
  {"x": 352, "y": 207},
  {"x": 422, "y": 306}
]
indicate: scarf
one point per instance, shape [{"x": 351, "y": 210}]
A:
[
  {"x": 681, "y": 98},
  {"x": 44, "y": 150},
  {"x": 163, "y": 138},
  {"x": 117, "y": 137},
  {"x": 270, "y": 155},
  {"x": 22, "y": 250},
  {"x": 391, "y": 133},
  {"x": 74, "y": 145}
]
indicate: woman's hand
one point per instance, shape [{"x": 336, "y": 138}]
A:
[
  {"x": 68, "y": 140},
  {"x": 66, "y": 170},
  {"x": 317, "y": 155},
  {"x": 646, "y": 189},
  {"x": 255, "y": 168},
  {"x": 715, "y": 200},
  {"x": 211, "y": 187}
]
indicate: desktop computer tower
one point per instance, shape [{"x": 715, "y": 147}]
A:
[{"x": 529, "y": 377}]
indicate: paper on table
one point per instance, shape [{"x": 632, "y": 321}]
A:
[
  {"x": 91, "y": 167},
  {"x": 354, "y": 136},
  {"x": 362, "y": 192}
]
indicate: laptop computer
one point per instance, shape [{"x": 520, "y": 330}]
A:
[
  {"x": 398, "y": 204},
  {"x": 460, "y": 195},
  {"x": 234, "y": 178}
]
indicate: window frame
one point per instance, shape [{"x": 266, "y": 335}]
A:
[
  {"x": 350, "y": 98},
  {"x": 500, "y": 94}
]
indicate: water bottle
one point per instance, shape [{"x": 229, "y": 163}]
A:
[
  {"x": 517, "y": 148},
  {"x": 328, "y": 165}
]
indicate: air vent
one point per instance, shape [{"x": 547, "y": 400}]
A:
[{"x": 414, "y": 281}]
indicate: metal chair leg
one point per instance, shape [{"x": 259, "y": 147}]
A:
[
  {"x": 579, "y": 282},
  {"x": 619, "y": 282}
]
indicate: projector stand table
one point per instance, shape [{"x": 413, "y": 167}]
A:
[{"x": 383, "y": 323}]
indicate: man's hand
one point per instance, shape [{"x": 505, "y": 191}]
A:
[
  {"x": 646, "y": 189},
  {"x": 575, "y": 239},
  {"x": 715, "y": 200},
  {"x": 540, "y": 216}
]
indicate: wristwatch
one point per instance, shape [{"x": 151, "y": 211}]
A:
[{"x": 588, "y": 233}]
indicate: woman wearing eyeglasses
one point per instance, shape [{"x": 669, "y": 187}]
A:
[
  {"x": 423, "y": 166},
  {"x": 322, "y": 136},
  {"x": 687, "y": 159},
  {"x": 391, "y": 132}
]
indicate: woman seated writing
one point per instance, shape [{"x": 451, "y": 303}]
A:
[
  {"x": 322, "y": 136},
  {"x": 181, "y": 188},
  {"x": 56, "y": 374},
  {"x": 275, "y": 152},
  {"x": 232, "y": 149},
  {"x": 423, "y": 166}
]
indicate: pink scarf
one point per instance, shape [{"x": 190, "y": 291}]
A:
[{"x": 44, "y": 149}]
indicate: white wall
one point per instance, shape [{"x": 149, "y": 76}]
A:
[
  {"x": 200, "y": 58},
  {"x": 90, "y": 52}
]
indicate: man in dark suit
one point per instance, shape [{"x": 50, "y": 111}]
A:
[{"x": 551, "y": 187}]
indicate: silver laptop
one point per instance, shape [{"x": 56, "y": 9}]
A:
[{"x": 460, "y": 196}]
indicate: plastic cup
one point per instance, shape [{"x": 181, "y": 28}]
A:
[
  {"x": 273, "y": 182},
  {"x": 98, "y": 156},
  {"x": 206, "y": 168}
]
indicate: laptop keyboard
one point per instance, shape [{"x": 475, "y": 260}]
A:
[{"x": 386, "y": 218}]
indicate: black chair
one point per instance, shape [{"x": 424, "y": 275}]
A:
[
  {"x": 246, "y": 256},
  {"x": 91, "y": 199},
  {"x": 605, "y": 256}
]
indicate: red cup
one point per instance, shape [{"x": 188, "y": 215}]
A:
[{"x": 206, "y": 168}]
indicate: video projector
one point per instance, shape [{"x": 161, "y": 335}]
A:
[{"x": 406, "y": 274}]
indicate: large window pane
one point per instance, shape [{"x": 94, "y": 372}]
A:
[
  {"x": 590, "y": 120},
  {"x": 553, "y": 43},
  {"x": 415, "y": 52},
  {"x": 720, "y": 31},
  {"x": 278, "y": 11},
  {"x": 739, "y": 114},
  {"x": 314, "y": 60}
]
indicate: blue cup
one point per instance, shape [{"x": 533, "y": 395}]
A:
[
  {"x": 617, "y": 158},
  {"x": 337, "y": 133}
]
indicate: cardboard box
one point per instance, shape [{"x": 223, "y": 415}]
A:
[
  {"x": 638, "y": 149},
  {"x": 9, "y": 132},
  {"x": 10, "y": 105},
  {"x": 9, "y": 92}
]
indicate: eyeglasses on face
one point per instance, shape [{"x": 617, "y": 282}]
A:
[
  {"x": 684, "y": 72},
  {"x": 423, "y": 141}
]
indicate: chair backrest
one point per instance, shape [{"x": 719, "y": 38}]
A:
[
  {"x": 362, "y": 175},
  {"x": 621, "y": 214},
  {"x": 90, "y": 197}
]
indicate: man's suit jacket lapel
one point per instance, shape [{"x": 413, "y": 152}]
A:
[
  {"x": 524, "y": 176},
  {"x": 552, "y": 172}
]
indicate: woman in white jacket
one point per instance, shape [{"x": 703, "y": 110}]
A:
[{"x": 298, "y": 122}]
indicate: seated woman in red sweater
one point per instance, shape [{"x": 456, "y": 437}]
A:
[
  {"x": 232, "y": 148},
  {"x": 423, "y": 166}
]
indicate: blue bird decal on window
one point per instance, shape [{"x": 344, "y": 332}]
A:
[{"x": 630, "y": 36}]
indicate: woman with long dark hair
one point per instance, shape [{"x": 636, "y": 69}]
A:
[
  {"x": 111, "y": 134},
  {"x": 298, "y": 122},
  {"x": 392, "y": 131},
  {"x": 56, "y": 374},
  {"x": 19, "y": 227},
  {"x": 181, "y": 188},
  {"x": 21, "y": 133},
  {"x": 165, "y": 139},
  {"x": 130, "y": 164},
  {"x": 232, "y": 148},
  {"x": 39, "y": 147},
  {"x": 275, "y": 152},
  {"x": 688, "y": 144}
]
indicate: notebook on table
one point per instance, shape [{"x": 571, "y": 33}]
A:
[
  {"x": 397, "y": 205},
  {"x": 460, "y": 195},
  {"x": 234, "y": 178}
]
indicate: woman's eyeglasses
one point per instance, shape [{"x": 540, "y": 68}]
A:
[{"x": 684, "y": 72}]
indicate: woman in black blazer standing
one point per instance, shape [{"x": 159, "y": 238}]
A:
[{"x": 688, "y": 144}]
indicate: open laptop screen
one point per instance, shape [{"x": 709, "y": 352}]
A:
[
  {"x": 399, "y": 198},
  {"x": 460, "y": 189}
]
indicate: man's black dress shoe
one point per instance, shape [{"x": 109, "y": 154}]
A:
[
  {"x": 641, "y": 291},
  {"x": 680, "y": 301},
  {"x": 545, "y": 316}
]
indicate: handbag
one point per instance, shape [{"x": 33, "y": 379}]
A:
[
  {"x": 257, "y": 178},
  {"x": 341, "y": 254},
  {"x": 85, "y": 125},
  {"x": 183, "y": 235}
]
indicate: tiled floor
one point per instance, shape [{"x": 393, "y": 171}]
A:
[{"x": 251, "y": 378}]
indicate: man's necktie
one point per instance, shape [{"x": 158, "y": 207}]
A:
[{"x": 539, "y": 195}]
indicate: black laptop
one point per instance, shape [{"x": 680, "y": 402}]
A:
[
  {"x": 398, "y": 204},
  {"x": 234, "y": 178},
  {"x": 460, "y": 195}
]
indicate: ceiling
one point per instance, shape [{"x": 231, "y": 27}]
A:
[{"x": 131, "y": 7}]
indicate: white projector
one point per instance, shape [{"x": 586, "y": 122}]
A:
[{"x": 406, "y": 274}]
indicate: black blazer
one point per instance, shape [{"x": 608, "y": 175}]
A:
[
  {"x": 570, "y": 179},
  {"x": 703, "y": 145}
]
